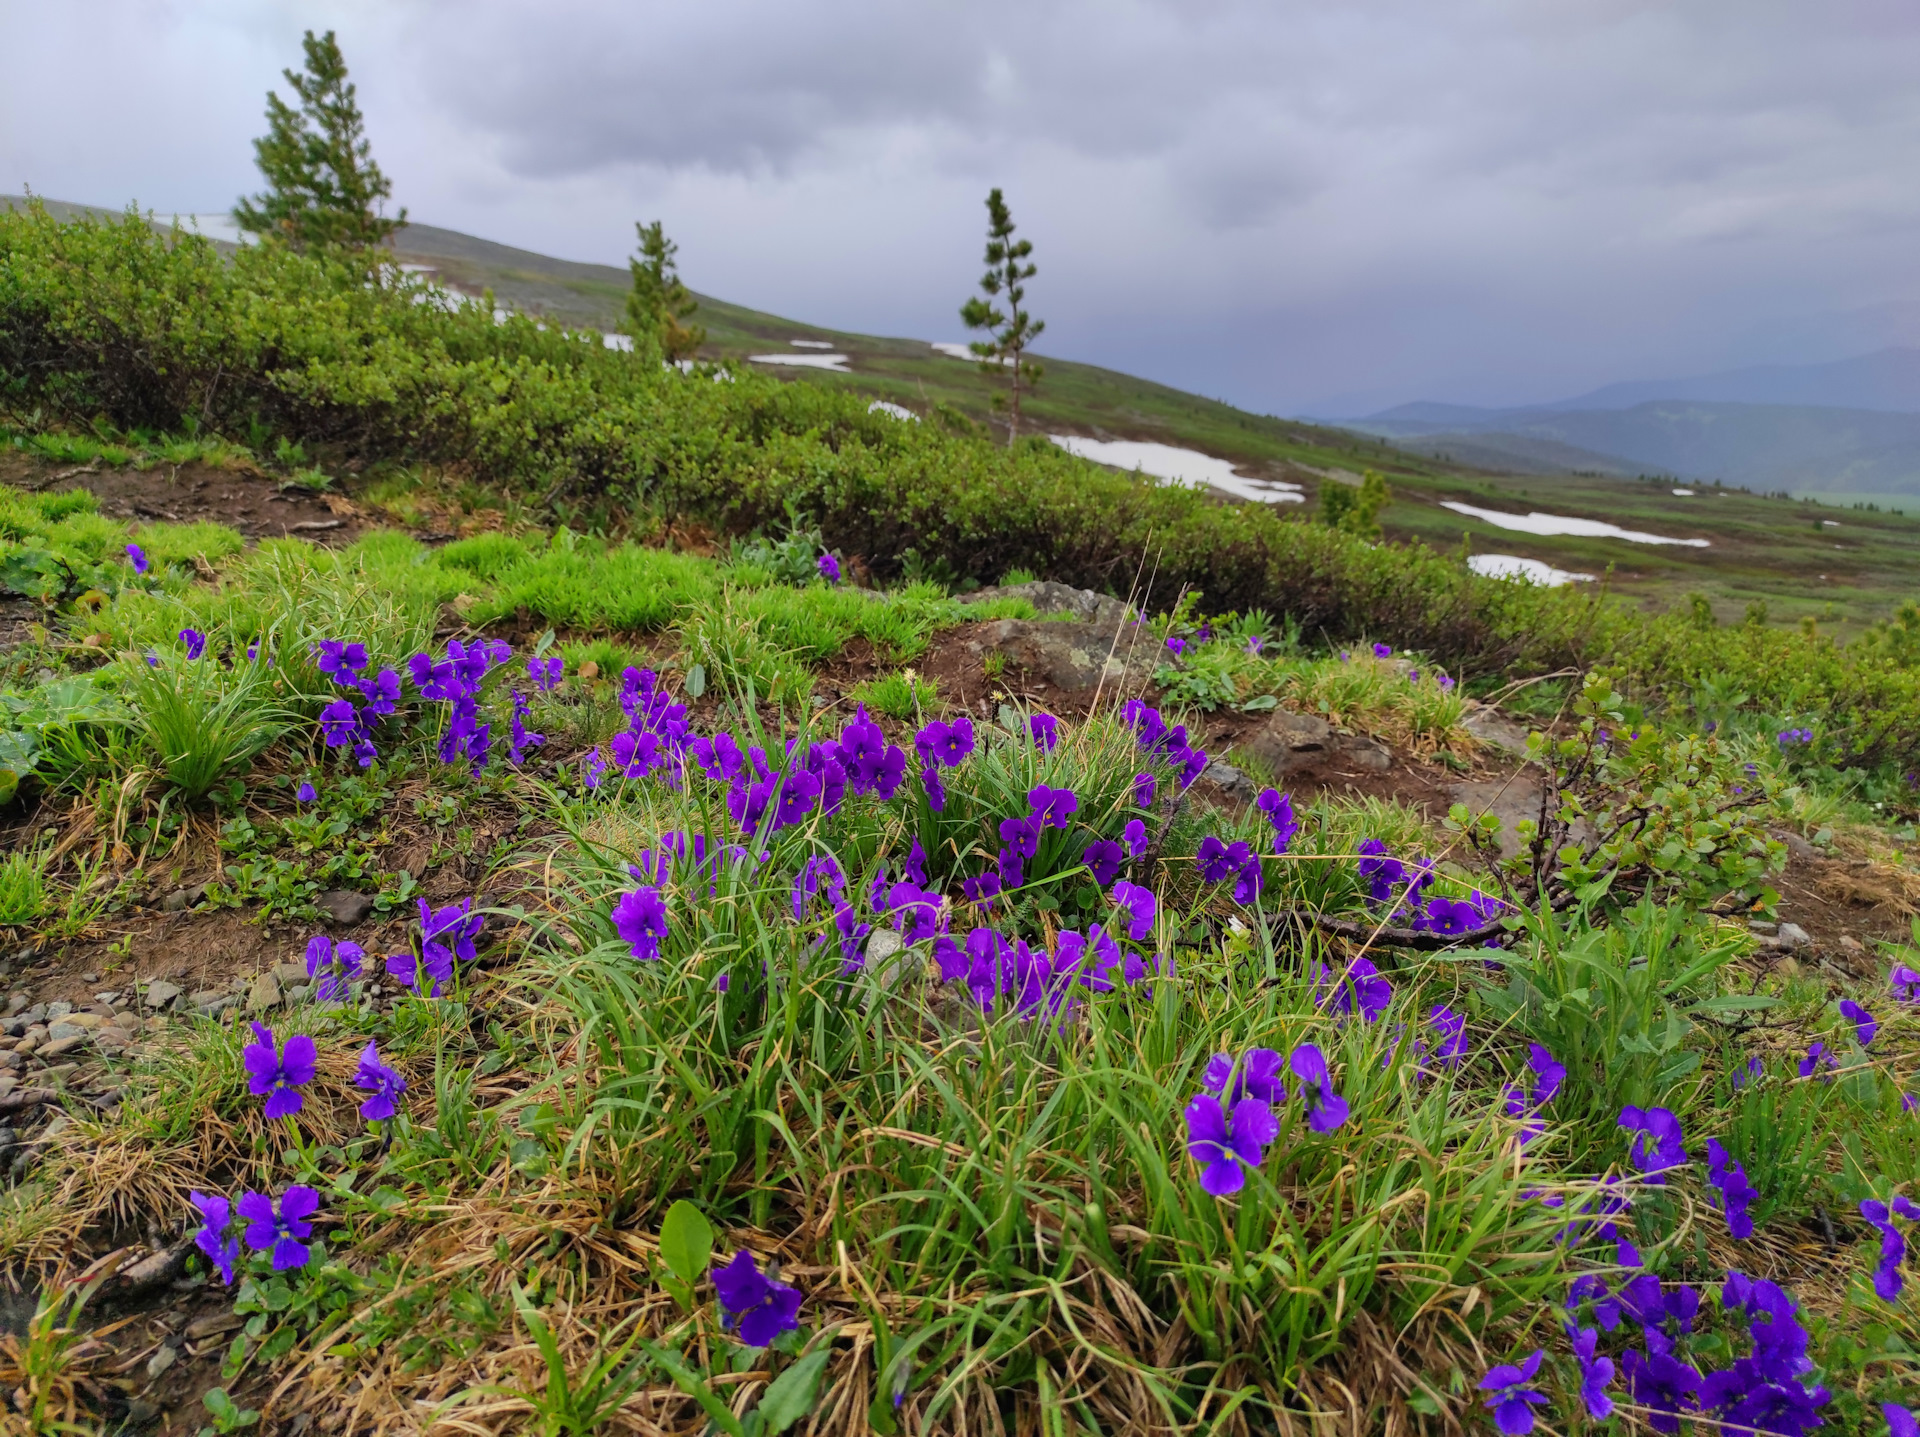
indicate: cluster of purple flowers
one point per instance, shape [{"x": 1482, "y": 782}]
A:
[
  {"x": 1033, "y": 983},
  {"x": 1449, "y": 917},
  {"x": 1231, "y": 1121},
  {"x": 455, "y": 681},
  {"x": 1794, "y": 737},
  {"x": 342, "y": 723},
  {"x": 195, "y": 643},
  {"x": 446, "y": 935},
  {"x": 1526, "y": 1101},
  {"x": 656, "y": 734},
  {"x": 1887, "y": 1280},
  {"x": 1362, "y": 989},
  {"x": 1657, "y": 1147},
  {"x": 331, "y": 967},
  {"x": 1764, "y": 1391},
  {"x": 1153, "y": 735},
  {"x": 1736, "y": 1193},
  {"x": 1865, "y": 1026},
  {"x": 1219, "y": 862}
]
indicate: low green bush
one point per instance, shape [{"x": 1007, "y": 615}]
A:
[{"x": 114, "y": 323}]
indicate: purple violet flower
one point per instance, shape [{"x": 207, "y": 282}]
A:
[
  {"x": 640, "y": 919},
  {"x": 1224, "y": 1144},
  {"x": 1661, "y": 1383},
  {"x": 1104, "y": 858},
  {"x": 829, "y": 568},
  {"x": 1144, "y": 784},
  {"x": 137, "y": 557},
  {"x": 1140, "y": 905},
  {"x": 1045, "y": 729},
  {"x": 385, "y": 1084},
  {"x": 1219, "y": 861},
  {"x": 222, "y": 1251},
  {"x": 1596, "y": 1372},
  {"x": 1656, "y": 1148},
  {"x": 1818, "y": 1057},
  {"x": 1278, "y": 807},
  {"x": 1326, "y": 1109},
  {"x": 1361, "y": 989},
  {"x": 1053, "y": 806},
  {"x": 760, "y": 1305},
  {"x": 331, "y": 966},
  {"x": 1452, "y": 1028},
  {"x": 305, "y": 793},
  {"x": 278, "y": 1074},
  {"x": 1900, "y": 1421},
  {"x": 1383, "y": 651},
  {"x": 1865, "y": 1026},
  {"x": 195, "y": 641},
  {"x": 282, "y": 1228},
  {"x": 1736, "y": 1193},
  {"x": 1509, "y": 1396},
  {"x": 1906, "y": 984}
]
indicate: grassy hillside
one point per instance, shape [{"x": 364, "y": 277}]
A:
[{"x": 1771, "y": 550}]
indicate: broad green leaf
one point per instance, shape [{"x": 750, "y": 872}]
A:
[
  {"x": 791, "y": 1395},
  {"x": 686, "y": 1241}
]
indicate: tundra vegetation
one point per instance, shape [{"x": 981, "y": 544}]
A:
[{"x": 594, "y": 935}]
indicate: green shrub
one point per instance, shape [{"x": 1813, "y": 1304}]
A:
[
  {"x": 23, "y": 887},
  {"x": 115, "y": 323},
  {"x": 898, "y": 697}
]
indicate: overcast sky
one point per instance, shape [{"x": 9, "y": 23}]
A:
[{"x": 1303, "y": 208}]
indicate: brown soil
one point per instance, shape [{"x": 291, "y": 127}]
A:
[{"x": 190, "y": 493}]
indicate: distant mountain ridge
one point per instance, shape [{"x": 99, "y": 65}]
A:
[{"x": 1849, "y": 426}]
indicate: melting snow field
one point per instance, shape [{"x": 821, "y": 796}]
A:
[
  {"x": 811, "y": 343},
  {"x": 1549, "y": 525},
  {"x": 898, "y": 411},
  {"x": 1180, "y": 466},
  {"x": 837, "y": 363},
  {"x": 1532, "y": 571},
  {"x": 1684, "y": 493}
]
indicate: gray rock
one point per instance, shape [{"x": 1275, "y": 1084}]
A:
[
  {"x": 343, "y": 907},
  {"x": 1792, "y": 936},
  {"x": 36, "y": 1014},
  {"x": 206, "y": 998},
  {"x": 1048, "y": 597},
  {"x": 265, "y": 994},
  {"x": 1287, "y": 739},
  {"x": 181, "y": 899},
  {"x": 160, "y": 993},
  {"x": 1071, "y": 656},
  {"x": 17, "y": 1003},
  {"x": 59, "y": 1010},
  {"x": 1365, "y": 753},
  {"x": 110, "y": 997},
  {"x": 1761, "y": 925},
  {"x": 59, "y": 1032},
  {"x": 59, "y": 1047},
  {"x": 1495, "y": 730},
  {"x": 290, "y": 973},
  {"x": 1229, "y": 780},
  {"x": 889, "y": 963}
]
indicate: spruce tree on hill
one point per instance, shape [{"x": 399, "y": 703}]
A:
[
  {"x": 1010, "y": 332},
  {"x": 324, "y": 190},
  {"x": 658, "y": 305}
]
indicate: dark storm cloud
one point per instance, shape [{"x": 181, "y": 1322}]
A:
[{"x": 1298, "y": 206}]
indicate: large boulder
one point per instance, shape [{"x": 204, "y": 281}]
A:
[
  {"x": 1048, "y": 597},
  {"x": 1287, "y": 740},
  {"x": 1075, "y": 658}
]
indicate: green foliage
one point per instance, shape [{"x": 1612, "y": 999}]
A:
[
  {"x": 659, "y": 305},
  {"x": 686, "y": 1247},
  {"x": 23, "y": 886},
  {"x": 323, "y": 188},
  {"x": 200, "y": 722},
  {"x": 228, "y": 1415},
  {"x": 898, "y": 696},
  {"x": 111, "y": 322},
  {"x": 1354, "y": 509},
  {"x": 1012, "y": 331}
]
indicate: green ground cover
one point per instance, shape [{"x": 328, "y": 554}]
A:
[{"x": 944, "y": 1076}]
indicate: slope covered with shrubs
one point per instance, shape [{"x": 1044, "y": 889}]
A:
[{"x": 116, "y": 324}]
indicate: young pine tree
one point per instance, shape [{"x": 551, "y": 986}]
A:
[
  {"x": 323, "y": 188},
  {"x": 1011, "y": 332},
  {"x": 659, "y": 305}
]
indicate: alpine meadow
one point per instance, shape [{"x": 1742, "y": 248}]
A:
[{"x": 559, "y": 879}]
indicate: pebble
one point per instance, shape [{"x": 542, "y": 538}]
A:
[
  {"x": 60, "y": 1032},
  {"x": 110, "y": 997},
  {"x": 289, "y": 973},
  {"x": 1792, "y": 935},
  {"x": 17, "y": 1003},
  {"x": 265, "y": 994},
  {"x": 89, "y": 977},
  {"x": 59, "y": 1010},
  {"x": 61, "y": 1046},
  {"x": 160, "y": 993}
]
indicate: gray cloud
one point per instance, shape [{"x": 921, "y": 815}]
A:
[{"x": 1296, "y": 206}]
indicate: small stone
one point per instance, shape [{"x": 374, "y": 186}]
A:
[
  {"x": 206, "y": 998},
  {"x": 265, "y": 994},
  {"x": 89, "y": 977},
  {"x": 11, "y": 1059},
  {"x": 36, "y": 1014},
  {"x": 110, "y": 997},
  {"x": 160, "y": 993},
  {"x": 161, "y": 1360},
  {"x": 1792, "y": 935},
  {"x": 290, "y": 973},
  {"x": 344, "y": 907},
  {"x": 17, "y": 1003},
  {"x": 140, "y": 1411},
  {"x": 300, "y": 993},
  {"x": 86, "y": 1020},
  {"x": 1229, "y": 780},
  {"x": 889, "y": 963},
  {"x": 10, "y": 1081},
  {"x": 59, "y": 1010},
  {"x": 1761, "y": 925},
  {"x": 60, "y": 1032},
  {"x": 1850, "y": 944},
  {"x": 58, "y": 1047},
  {"x": 1365, "y": 753},
  {"x": 213, "y": 1325}
]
